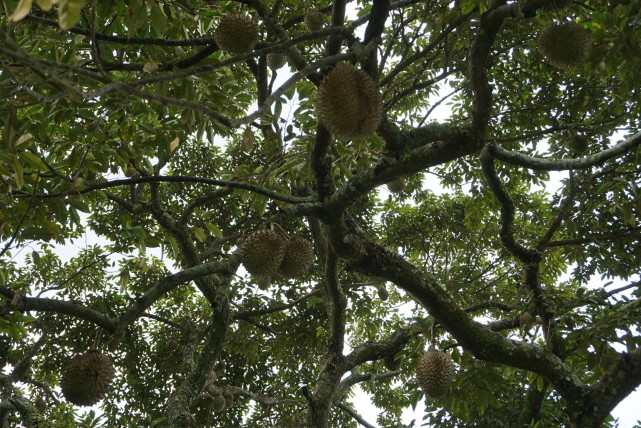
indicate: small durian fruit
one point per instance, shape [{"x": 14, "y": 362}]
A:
[
  {"x": 219, "y": 403},
  {"x": 263, "y": 281},
  {"x": 435, "y": 373},
  {"x": 564, "y": 44},
  {"x": 396, "y": 186},
  {"x": 349, "y": 102},
  {"x": 236, "y": 34},
  {"x": 131, "y": 171},
  {"x": 524, "y": 319},
  {"x": 87, "y": 378},
  {"x": 229, "y": 399},
  {"x": 276, "y": 60},
  {"x": 579, "y": 143},
  {"x": 40, "y": 405},
  {"x": 383, "y": 294},
  {"x": 393, "y": 363},
  {"x": 314, "y": 20},
  {"x": 299, "y": 256},
  {"x": 262, "y": 252}
]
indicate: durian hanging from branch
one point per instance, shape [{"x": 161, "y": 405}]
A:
[
  {"x": 564, "y": 45},
  {"x": 435, "y": 373},
  {"x": 349, "y": 102},
  {"x": 236, "y": 34},
  {"x": 314, "y": 20},
  {"x": 87, "y": 378}
]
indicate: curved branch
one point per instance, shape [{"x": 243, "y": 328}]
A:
[
  {"x": 543, "y": 164},
  {"x": 354, "y": 415}
]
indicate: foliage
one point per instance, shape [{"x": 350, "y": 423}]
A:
[{"x": 135, "y": 155}]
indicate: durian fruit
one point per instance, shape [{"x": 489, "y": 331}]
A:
[
  {"x": 396, "y": 186},
  {"x": 349, "y": 103},
  {"x": 299, "y": 255},
  {"x": 276, "y": 60},
  {"x": 219, "y": 367},
  {"x": 87, "y": 378},
  {"x": 524, "y": 319},
  {"x": 579, "y": 143},
  {"x": 435, "y": 373},
  {"x": 229, "y": 399},
  {"x": 219, "y": 403},
  {"x": 564, "y": 44},
  {"x": 262, "y": 252},
  {"x": 391, "y": 363},
  {"x": 314, "y": 20},
  {"x": 383, "y": 294},
  {"x": 236, "y": 34}
]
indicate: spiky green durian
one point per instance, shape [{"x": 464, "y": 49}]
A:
[
  {"x": 299, "y": 255},
  {"x": 435, "y": 373},
  {"x": 236, "y": 34},
  {"x": 262, "y": 252},
  {"x": 87, "y": 378},
  {"x": 276, "y": 60},
  {"x": 579, "y": 143},
  {"x": 314, "y": 20},
  {"x": 396, "y": 186},
  {"x": 349, "y": 103},
  {"x": 564, "y": 44}
]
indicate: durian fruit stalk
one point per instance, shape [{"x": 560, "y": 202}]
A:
[
  {"x": 396, "y": 186},
  {"x": 314, "y": 20},
  {"x": 87, "y": 378},
  {"x": 262, "y": 252},
  {"x": 349, "y": 102},
  {"x": 276, "y": 60},
  {"x": 298, "y": 258},
  {"x": 435, "y": 373},
  {"x": 564, "y": 44},
  {"x": 236, "y": 34}
]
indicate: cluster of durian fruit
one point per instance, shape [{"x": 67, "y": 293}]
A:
[
  {"x": 213, "y": 398},
  {"x": 271, "y": 253}
]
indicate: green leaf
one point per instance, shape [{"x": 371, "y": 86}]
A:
[
  {"x": 33, "y": 160},
  {"x": 69, "y": 12},
  {"x": 21, "y": 10},
  {"x": 158, "y": 19},
  {"x": 214, "y": 230}
]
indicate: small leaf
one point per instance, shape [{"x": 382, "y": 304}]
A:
[
  {"x": 45, "y": 5},
  {"x": 174, "y": 144},
  {"x": 69, "y": 13},
  {"x": 33, "y": 160},
  {"x": 214, "y": 230},
  {"x": 21, "y": 11},
  {"x": 150, "y": 67},
  {"x": 200, "y": 234}
]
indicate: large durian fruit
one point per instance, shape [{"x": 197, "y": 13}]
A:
[
  {"x": 262, "y": 252},
  {"x": 236, "y": 34},
  {"x": 564, "y": 44},
  {"x": 435, "y": 373},
  {"x": 396, "y": 186},
  {"x": 87, "y": 378},
  {"x": 314, "y": 20},
  {"x": 299, "y": 255},
  {"x": 349, "y": 102}
]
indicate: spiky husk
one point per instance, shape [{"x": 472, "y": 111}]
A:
[
  {"x": 579, "y": 143},
  {"x": 391, "y": 363},
  {"x": 236, "y": 34},
  {"x": 314, "y": 20},
  {"x": 276, "y": 60},
  {"x": 396, "y": 186},
  {"x": 435, "y": 373},
  {"x": 299, "y": 256},
  {"x": 87, "y": 378},
  {"x": 383, "y": 294},
  {"x": 565, "y": 44},
  {"x": 262, "y": 252},
  {"x": 218, "y": 403},
  {"x": 349, "y": 103},
  {"x": 229, "y": 399}
]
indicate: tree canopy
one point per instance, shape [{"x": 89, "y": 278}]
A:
[{"x": 178, "y": 139}]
